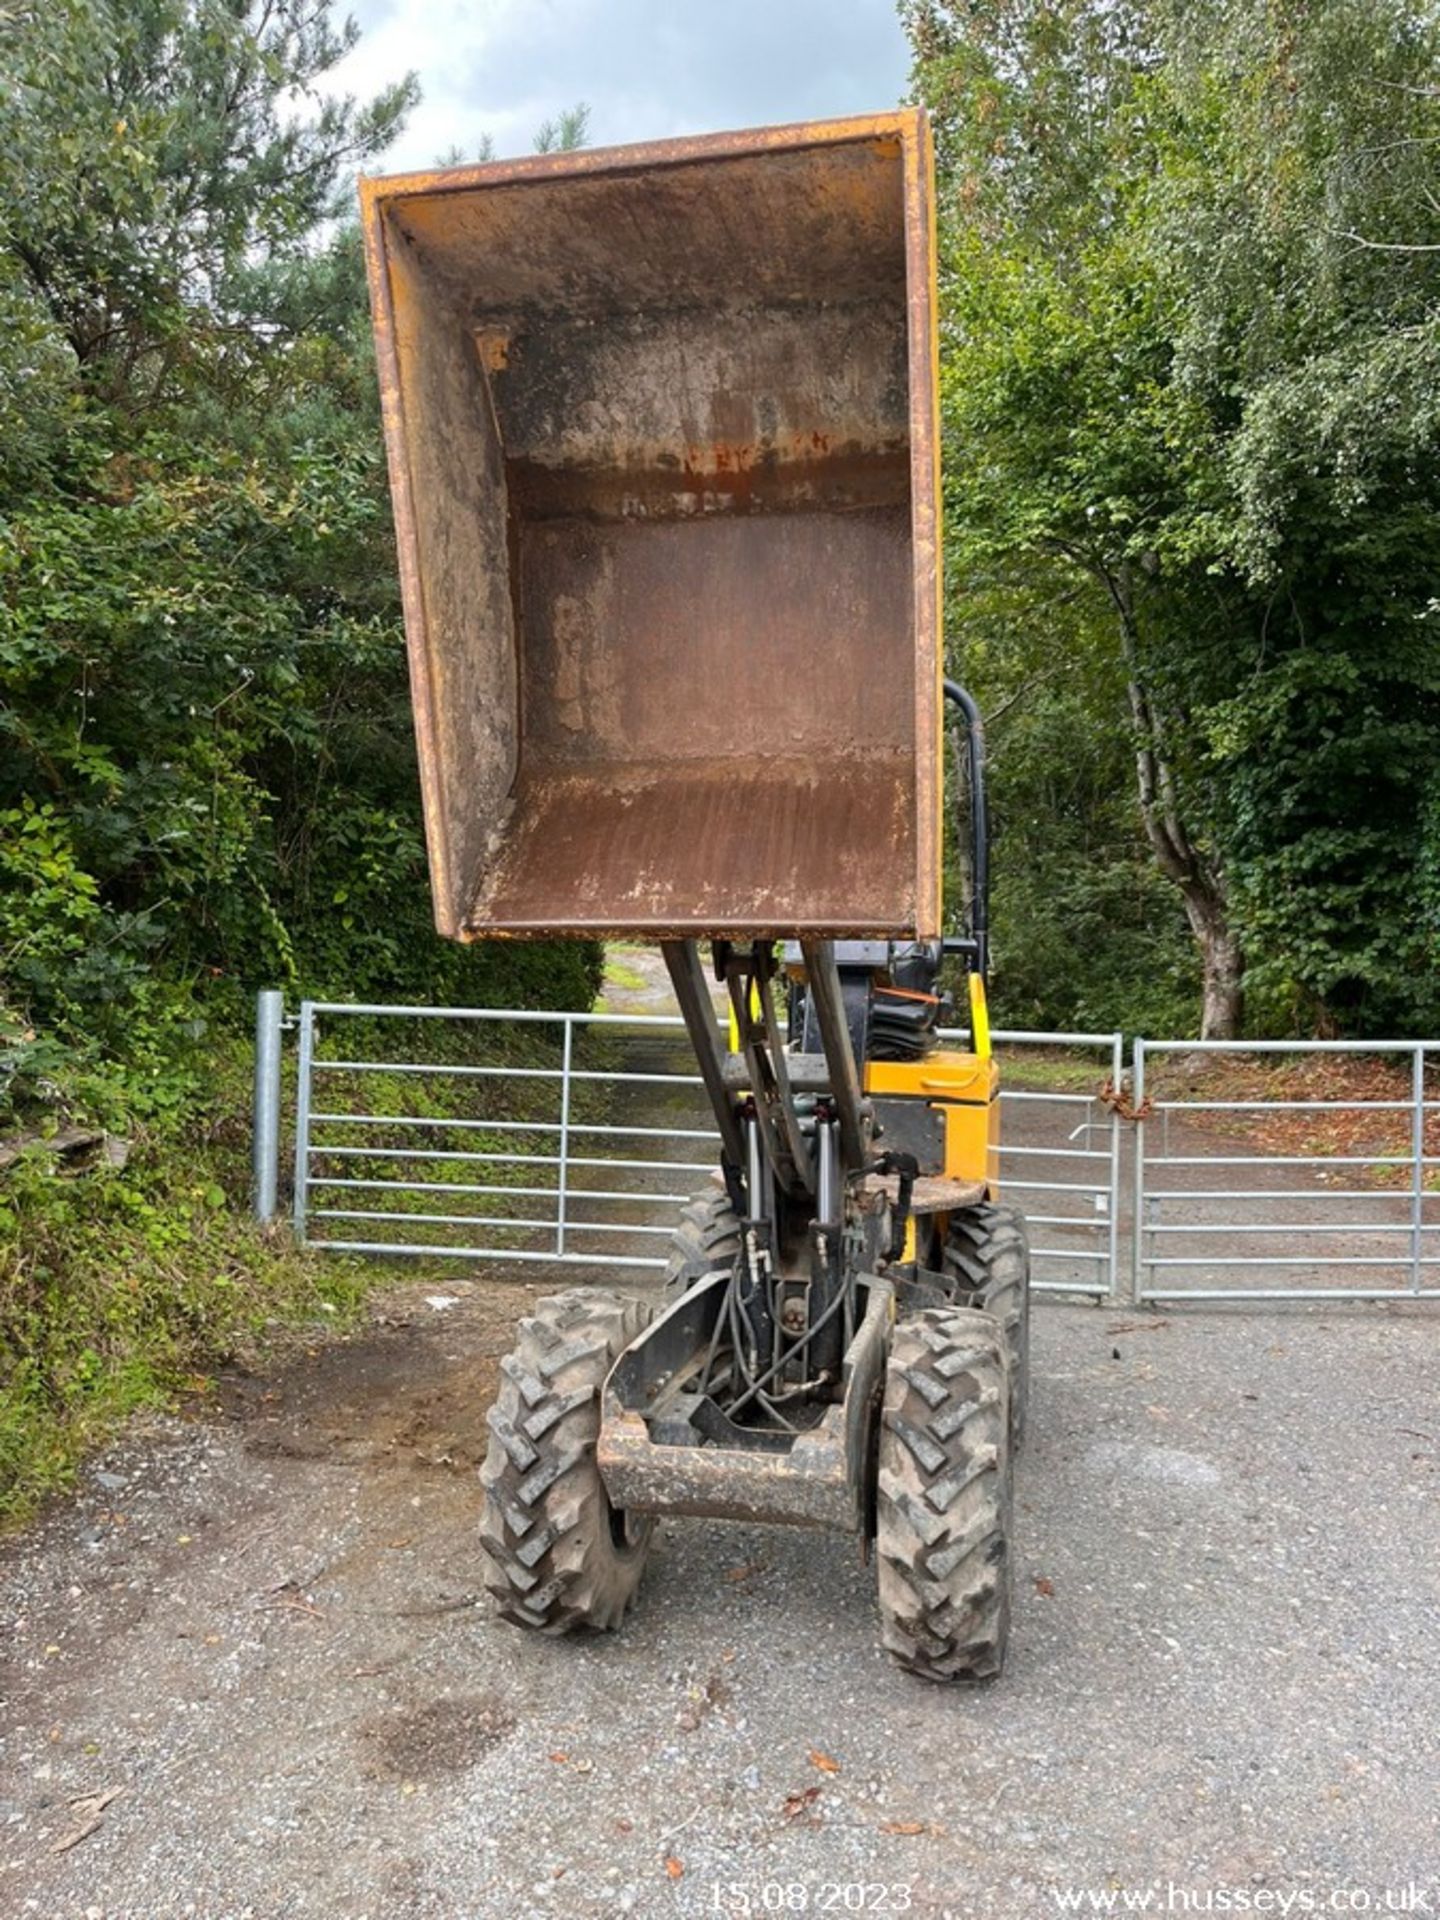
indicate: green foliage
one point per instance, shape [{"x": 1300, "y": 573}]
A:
[
  {"x": 1088, "y": 936},
  {"x": 1191, "y": 263},
  {"x": 567, "y": 131},
  {"x": 208, "y": 779},
  {"x": 207, "y": 771},
  {"x": 116, "y": 1288},
  {"x": 152, "y": 153}
]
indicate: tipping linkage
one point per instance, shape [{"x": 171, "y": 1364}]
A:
[{"x": 794, "y": 1136}]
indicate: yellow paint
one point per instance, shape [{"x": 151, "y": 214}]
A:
[
  {"x": 966, "y": 1089},
  {"x": 979, "y": 1016},
  {"x": 754, "y": 1015},
  {"x": 907, "y": 1252},
  {"x": 972, "y": 1140},
  {"x": 944, "y": 1075}
]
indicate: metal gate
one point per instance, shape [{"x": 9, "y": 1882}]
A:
[
  {"x": 1359, "y": 1224},
  {"x": 441, "y": 1133},
  {"x": 419, "y": 1134}
]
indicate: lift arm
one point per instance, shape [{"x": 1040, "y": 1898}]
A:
[{"x": 767, "y": 1070}]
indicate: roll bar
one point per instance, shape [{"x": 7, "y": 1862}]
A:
[{"x": 977, "y": 946}]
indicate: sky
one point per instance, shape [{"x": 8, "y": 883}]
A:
[{"x": 646, "y": 68}]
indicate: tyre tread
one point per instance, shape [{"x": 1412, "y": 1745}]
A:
[
  {"x": 987, "y": 1258},
  {"x": 706, "y": 1240},
  {"x": 552, "y": 1562},
  {"x": 943, "y": 1496}
]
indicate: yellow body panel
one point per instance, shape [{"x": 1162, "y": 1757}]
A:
[
  {"x": 966, "y": 1089},
  {"x": 979, "y": 1017},
  {"x": 735, "y": 1024}
]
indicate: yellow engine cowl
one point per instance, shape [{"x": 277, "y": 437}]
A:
[{"x": 964, "y": 1090}]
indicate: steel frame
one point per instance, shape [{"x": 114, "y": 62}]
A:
[
  {"x": 1054, "y": 1184},
  {"x": 1075, "y": 1175},
  {"x": 1151, "y": 1226}
]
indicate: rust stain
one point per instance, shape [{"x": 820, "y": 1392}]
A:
[
  {"x": 722, "y": 479},
  {"x": 886, "y": 131},
  {"x": 662, "y": 438},
  {"x": 493, "y": 346}
]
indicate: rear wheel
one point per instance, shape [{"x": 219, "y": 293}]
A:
[
  {"x": 987, "y": 1260},
  {"x": 943, "y": 1498},
  {"x": 706, "y": 1241},
  {"x": 558, "y": 1555}
]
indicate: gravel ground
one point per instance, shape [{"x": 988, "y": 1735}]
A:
[{"x": 260, "y": 1629}]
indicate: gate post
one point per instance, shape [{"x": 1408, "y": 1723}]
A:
[
  {"x": 302, "y": 1116},
  {"x": 1137, "y": 1244},
  {"x": 1116, "y": 1294},
  {"x": 562, "y": 1176},
  {"x": 1417, "y": 1172},
  {"x": 265, "y": 1146}
]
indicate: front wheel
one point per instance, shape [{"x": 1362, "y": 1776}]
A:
[
  {"x": 987, "y": 1261},
  {"x": 707, "y": 1240},
  {"x": 943, "y": 1496},
  {"x": 558, "y": 1555}
]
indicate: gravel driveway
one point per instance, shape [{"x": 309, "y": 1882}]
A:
[{"x": 258, "y": 1628}]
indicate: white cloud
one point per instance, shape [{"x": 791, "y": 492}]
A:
[{"x": 648, "y": 68}]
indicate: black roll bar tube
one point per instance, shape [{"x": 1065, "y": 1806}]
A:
[{"x": 978, "y": 945}]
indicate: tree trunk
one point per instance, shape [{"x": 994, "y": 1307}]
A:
[
  {"x": 1224, "y": 968},
  {"x": 1200, "y": 882}
]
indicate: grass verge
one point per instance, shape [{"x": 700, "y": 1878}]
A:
[{"x": 120, "y": 1288}]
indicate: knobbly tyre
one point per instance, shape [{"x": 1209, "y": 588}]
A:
[{"x": 661, "y": 423}]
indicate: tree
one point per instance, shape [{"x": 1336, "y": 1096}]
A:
[
  {"x": 207, "y": 776},
  {"x": 1161, "y": 362},
  {"x": 159, "y": 177},
  {"x": 1061, "y": 450},
  {"x": 1313, "y": 355},
  {"x": 567, "y": 131}
]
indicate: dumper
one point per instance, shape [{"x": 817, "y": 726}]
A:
[{"x": 662, "y": 433}]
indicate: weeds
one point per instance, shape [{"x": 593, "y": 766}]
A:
[{"x": 122, "y": 1287}]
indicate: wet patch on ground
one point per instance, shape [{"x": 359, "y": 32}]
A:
[{"x": 440, "y": 1737}]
